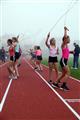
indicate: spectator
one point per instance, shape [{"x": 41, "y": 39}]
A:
[
  {"x": 3, "y": 54},
  {"x": 76, "y": 56}
]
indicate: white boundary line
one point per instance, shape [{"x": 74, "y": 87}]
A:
[
  {"x": 60, "y": 72},
  {"x": 5, "y": 95},
  {"x": 73, "y": 100},
  {"x": 59, "y": 96}
]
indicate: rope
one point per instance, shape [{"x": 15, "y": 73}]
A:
[{"x": 65, "y": 13}]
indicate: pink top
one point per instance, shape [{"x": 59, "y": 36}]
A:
[
  {"x": 65, "y": 52},
  {"x": 38, "y": 52}
]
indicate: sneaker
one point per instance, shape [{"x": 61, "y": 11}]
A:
[
  {"x": 55, "y": 85},
  {"x": 35, "y": 68},
  {"x": 74, "y": 68},
  {"x": 14, "y": 78},
  {"x": 19, "y": 65},
  {"x": 64, "y": 87},
  {"x": 50, "y": 81},
  {"x": 10, "y": 77}
]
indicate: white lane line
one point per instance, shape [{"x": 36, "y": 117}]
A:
[
  {"x": 73, "y": 100},
  {"x": 59, "y": 96},
  {"x": 5, "y": 96},
  {"x": 69, "y": 77}
]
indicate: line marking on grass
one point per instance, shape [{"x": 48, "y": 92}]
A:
[{"x": 59, "y": 96}]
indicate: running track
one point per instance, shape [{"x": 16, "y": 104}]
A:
[{"x": 32, "y": 98}]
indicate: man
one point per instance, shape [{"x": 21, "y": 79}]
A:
[
  {"x": 76, "y": 56},
  {"x": 3, "y": 54}
]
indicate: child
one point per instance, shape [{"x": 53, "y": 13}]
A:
[
  {"x": 39, "y": 58},
  {"x": 12, "y": 58},
  {"x": 17, "y": 54},
  {"x": 64, "y": 62},
  {"x": 53, "y": 52}
]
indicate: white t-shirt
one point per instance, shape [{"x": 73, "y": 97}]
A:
[{"x": 53, "y": 51}]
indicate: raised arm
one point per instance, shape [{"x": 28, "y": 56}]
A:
[
  {"x": 46, "y": 42},
  {"x": 17, "y": 36},
  {"x": 65, "y": 31}
]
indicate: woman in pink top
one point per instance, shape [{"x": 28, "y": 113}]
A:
[
  {"x": 39, "y": 58},
  {"x": 63, "y": 62}
]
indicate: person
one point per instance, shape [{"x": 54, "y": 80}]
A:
[
  {"x": 10, "y": 67},
  {"x": 20, "y": 53},
  {"x": 17, "y": 54},
  {"x": 39, "y": 58},
  {"x": 52, "y": 60},
  {"x": 3, "y": 54},
  {"x": 76, "y": 56},
  {"x": 33, "y": 56},
  {"x": 64, "y": 62}
]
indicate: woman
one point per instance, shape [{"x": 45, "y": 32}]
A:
[
  {"x": 64, "y": 62},
  {"x": 17, "y": 54},
  {"x": 11, "y": 69},
  {"x": 39, "y": 58},
  {"x": 53, "y": 52}
]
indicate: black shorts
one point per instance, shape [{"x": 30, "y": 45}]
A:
[
  {"x": 17, "y": 55},
  {"x": 52, "y": 59},
  {"x": 12, "y": 58},
  {"x": 63, "y": 62},
  {"x": 39, "y": 57}
]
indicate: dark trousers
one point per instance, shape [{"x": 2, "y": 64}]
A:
[
  {"x": 3, "y": 58},
  {"x": 76, "y": 61}
]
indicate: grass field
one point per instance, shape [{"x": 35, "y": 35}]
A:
[{"x": 74, "y": 72}]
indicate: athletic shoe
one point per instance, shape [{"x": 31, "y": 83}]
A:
[
  {"x": 14, "y": 78},
  {"x": 55, "y": 85},
  {"x": 50, "y": 81},
  {"x": 19, "y": 65},
  {"x": 74, "y": 68},
  {"x": 10, "y": 77},
  {"x": 64, "y": 87},
  {"x": 35, "y": 68}
]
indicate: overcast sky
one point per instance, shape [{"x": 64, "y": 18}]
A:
[{"x": 35, "y": 19}]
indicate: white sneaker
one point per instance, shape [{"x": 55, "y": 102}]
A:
[
  {"x": 10, "y": 77},
  {"x": 75, "y": 68},
  {"x": 14, "y": 78}
]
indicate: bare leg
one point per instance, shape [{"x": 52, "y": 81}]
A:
[
  {"x": 50, "y": 70},
  {"x": 65, "y": 74},
  {"x": 16, "y": 68},
  {"x": 56, "y": 69},
  {"x": 40, "y": 66}
]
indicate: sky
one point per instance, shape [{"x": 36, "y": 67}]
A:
[{"x": 33, "y": 19}]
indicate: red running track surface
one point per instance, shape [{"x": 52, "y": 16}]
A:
[
  {"x": 73, "y": 93},
  {"x": 29, "y": 98},
  {"x": 3, "y": 79}
]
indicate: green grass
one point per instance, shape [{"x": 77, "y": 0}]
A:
[{"x": 73, "y": 72}]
